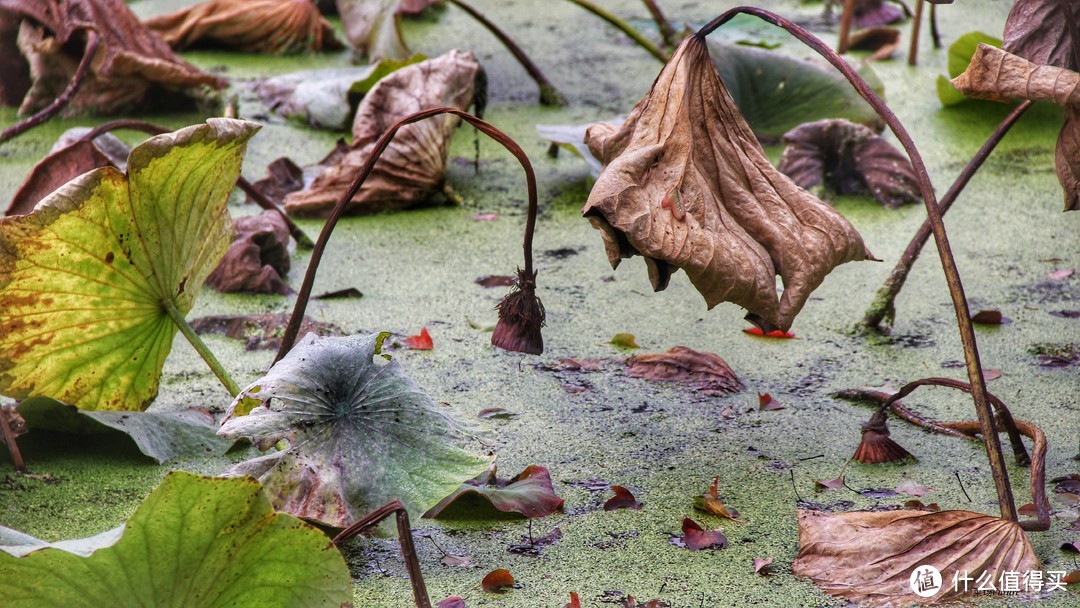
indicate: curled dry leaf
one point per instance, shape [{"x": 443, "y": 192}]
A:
[
  {"x": 706, "y": 373},
  {"x": 496, "y": 281},
  {"x": 413, "y": 167},
  {"x": 1000, "y": 75},
  {"x": 761, "y": 566},
  {"x": 869, "y": 558},
  {"x": 990, "y": 317},
  {"x": 623, "y": 499},
  {"x": 258, "y": 259},
  {"x": 282, "y": 177},
  {"x": 710, "y": 503},
  {"x": 497, "y": 581},
  {"x": 687, "y": 186},
  {"x": 486, "y": 496},
  {"x": 1038, "y": 31},
  {"x": 881, "y": 41},
  {"x": 696, "y": 538},
  {"x": 260, "y": 331},
  {"x": 914, "y": 488},
  {"x": 848, "y": 158},
  {"x": 875, "y": 13},
  {"x": 253, "y": 26},
  {"x": 131, "y": 64},
  {"x": 829, "y": 484},
  {"x": 360, "y": 433}
]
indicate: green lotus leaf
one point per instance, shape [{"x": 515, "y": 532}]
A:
[
  {"x": 160, "y": 435},
  {"x": 360, "y": 433},
  {"x": 88, "y": 278},
  {"x": 777, "y": 92},
  {"x": 195, "y": 541}
]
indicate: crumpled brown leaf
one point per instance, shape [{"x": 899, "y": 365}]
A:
[
  {"x": 688, "y": 186},
  {"x": 869, "y": 557},
  {"x": 874, "y": 13},
  {"x": 848, "y": 158},
  {"x": 282, "y": 177},
  {"x": 130, "y": 65},
  {"x": 1037, "y": 30},
  {"x": 373, "y": 27},
  {"x": 258, "y": 259},
  {"x": 413, "y": 167},
  {"x": 260, "y": 331},
  {"x": 706, "y": 373},
  {"x": 69, "y": 158},
  {"x": 254, "y": 26},
  {"x": 883, "y": 41}
]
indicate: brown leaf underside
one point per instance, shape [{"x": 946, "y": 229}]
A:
[
  {"x": 254, "y": 26},
  {"x": 868, "y": 557},
  {"x": 688, "y": 186},
  {"x": 413, "y": 166}
]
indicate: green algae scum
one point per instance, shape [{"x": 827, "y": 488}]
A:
[{"x": 664, "y": 442}]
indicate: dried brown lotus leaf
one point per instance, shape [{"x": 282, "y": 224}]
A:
[
  {"x": 413, "y": 167},
  {"x": 267, "y": 26},
  {"x": 55, "y": 170},
  {"x": 688, "y": 186},
  {"x": 131, "y": 61},
  {"x": 868, "y": 557},
  {"x": 996, "y": 74},
  {"x": 257, "y": 261},
  {"x": 374, "y": 28},
  {"x": 1068, "y": 157},
  {"x": 1037, "y": 31}
]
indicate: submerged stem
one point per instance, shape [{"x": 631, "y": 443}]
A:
[
  {"x": 941, "y": 237},
  {"x": 64, "y": 99},
  {"x": 293, "y": 328},
  {"x": 625, "y": 28},
  {"x": 549, "y": 95},
  {"x": 201, "y": 348},
  {"x": 878, "y": 317}
]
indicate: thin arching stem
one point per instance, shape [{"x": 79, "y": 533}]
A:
[
  {"x": 549, "y": 95},
  {"x": 941, "y": 237},
  {"x": 64, "y": 99},
  {"x": 292, "y": 330},
  {"x": 408, "y": 548},
  {"x": 625, "y": 28},
  {"x": 667, "y": 32},
  {"x": 883, "y": 309}
]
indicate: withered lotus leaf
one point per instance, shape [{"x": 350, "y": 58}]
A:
[
  {"x": 869, "y": 557},
  {"x": 1037, "y": 30},
  {"x": 848, "y": 158},
  {"x": 257, "y": 261},
  {"x": 360, "y": 432},
  {"x": 413, "y": 167},
  {"x": 255, "y": 26},
  {"x": 373, "y": 27},
  {"x": 874, "y": 13},
  {"x": 259, "y": 331},
  {"x": 528, "y": 494},
  {"x": 688, "y": 186},
  {"x": 706, "y": 373},
  {"x": 55, "y": 170},
  {"x": 130, "y": 64}
]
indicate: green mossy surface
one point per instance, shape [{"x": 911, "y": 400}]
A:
[{"x": 666, "y": 444}]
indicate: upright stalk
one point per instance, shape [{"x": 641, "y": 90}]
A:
[
  {"x": 64, "y": 99},
  {"x": 549, "y": 95},
  {"x": 201, "y": 348},
  {"x": 916, "y": 23},
  {"x": 879, "y": 316},
  {"x": 408, "y": 548},
  {"x": 625, "y": 28},
  {"x": 845, "y": 26},
  {"x": 667, "y": 32},
  {"x": 948, "y": 263},
  {"x": 293, "y": 328}
]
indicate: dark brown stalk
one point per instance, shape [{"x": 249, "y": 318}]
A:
[
  {"x": 12, "y": 445},
  {"x": 64, "y": 99},
  {"x": 935, "y": 35},
  {"x": 303, "y": 241},
  {"x": 549, "y": 95},
  {"x": 879, "y": 316},
  {"x": 1037, "y": 460},
  {"x": 625, "y": 28},
  {"x": 941, "y": 237},
  {"x": 845, "y": 26},
  {"x": 916, "y": 24},
  {"x": 408, "y": 549},
  {"x": 667, "y": 32},
  {"x": 293, "y": 328}
]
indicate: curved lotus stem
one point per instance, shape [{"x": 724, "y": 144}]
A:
[
  {"x": 520, "y": 313},
  {"x": 625, "y": 28},
  {"x": 408, "y": 549},
  {"x": 64, "y": 99},
  {"x": 948, "y": 263}
]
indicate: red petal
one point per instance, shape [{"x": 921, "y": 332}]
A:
[
  {"x": 421, "y": 341},
  {"x": 776, "y": 333},
  {"x": 497, "y": 580}
]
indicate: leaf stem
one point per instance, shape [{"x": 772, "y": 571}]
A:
[
  {"x": 916, "y": 23},
  {"x": 845, "y": 26},
  {"x": 64, "y": 99},
  {"x": 201, "y": 348},
  {"x": 549, "y": 95},
  {"x": 625, "y": 27},
  {"x": 941, "y": 238},
  {"x": 408, "y": 548},
  {"x": 667, "y": 32},
  {"x": 292, "y": 330},
  {"x": 879, "y": 316}
]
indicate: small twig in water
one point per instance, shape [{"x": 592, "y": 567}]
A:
[
  {"x": 793, "y": 488},
  {"x": 811, "y": 458},
  {"x": 964, "y": 490}
]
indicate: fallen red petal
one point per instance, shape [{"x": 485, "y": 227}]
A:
[
  {"x": 623, "y": 499},
  {"x": 485, "y": 217},
  {"x": 497, "y": 580},
  {"x": 495, "y": 280},
  {"x": 991, "y": 374},
  {"x": 766, "y": 403},
  {"x": 422, "y": 341},
  {"x": 776, "y": 333},
  {"x": 575, "y": 602},
  {"x": 1060, "y": 275}
]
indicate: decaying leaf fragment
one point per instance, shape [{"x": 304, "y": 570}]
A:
[
  {"x": 254, "y": 26},
  {"x": 413, "y": 167},
  {"x": 848, "y": 159},
  {"x": 373, "y": 27},
  {"x": 1037, "y": 62},
  {"x": 706, "y": 373},
  {"x": 360, "y": 433},
  {"x": 63, "y": 164},
  {"x": 688, "y": 186},
  {"x": 870, "y": 557},
  {"x": 529, "y": 493},
  {"x": 130, "y": 65},
  {"x": 258, "y": 259}
]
